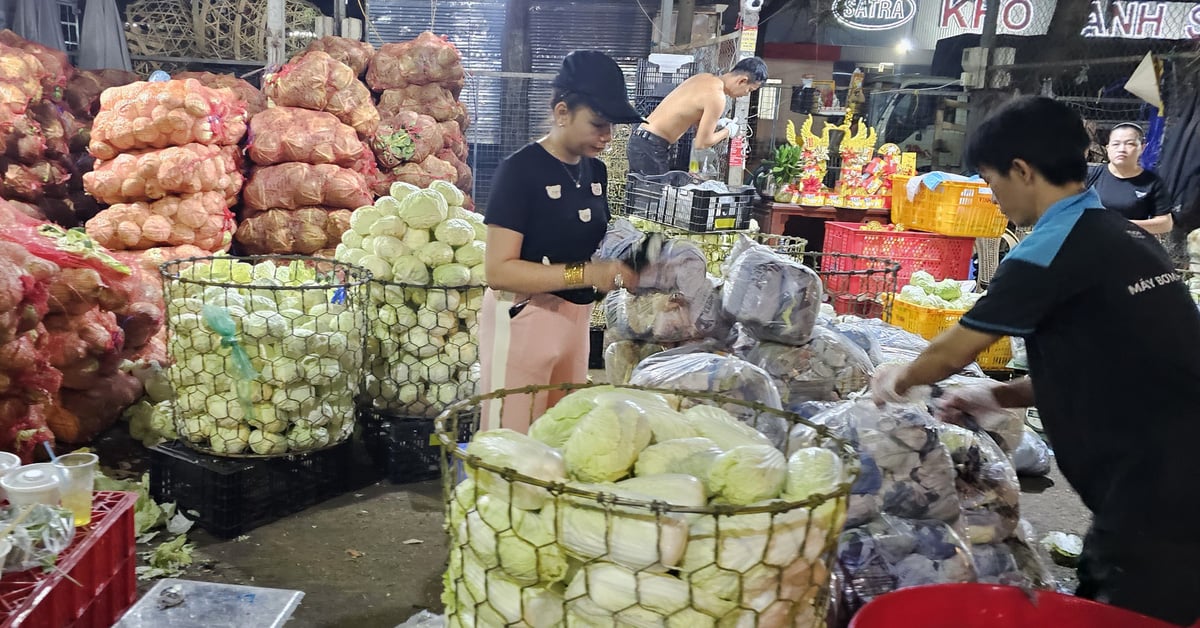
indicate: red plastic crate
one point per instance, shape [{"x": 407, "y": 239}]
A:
[
  {"x": 100, "y": 558},
  {"x": 944, "y": 257}
]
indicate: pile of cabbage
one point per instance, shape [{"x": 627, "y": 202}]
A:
[
  {"x": 425, "y": 254},
  {"x": 947, "y": 294},
  {"x": 523, "y": 554},
  {"x": 270, "y": 367}
]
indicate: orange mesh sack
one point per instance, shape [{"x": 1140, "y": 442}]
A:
[
  {"x": 406, "y": 136},
  {"x": 294, "y": 185},
  {"x": 426, "y": 172},
  {"x": 251, "y": 95},
  {"x": 317, "y": 81},
  {"x": 433, "y": 100},
  {"x": 84, "y": 89},
  {"x": 56, "y": 67},
  {"x": 20, "y": 75},
  {"x": 168, "y": 113},
  {"x": 466, "y": 179},
  {"x": 154, "y": 174},
  {"x": 426, "y": 60},
  {"x": 354, "y": 53},
  {"x": 304, "y": 231},
  {"x": 453, "y": 138},
  {"x": 282, "y": 134},
  {"x": 202, "y": 220}
]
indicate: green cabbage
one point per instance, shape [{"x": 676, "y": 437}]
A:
[
  {"x": 747, "y": 474},
  {"x": 410, "y": 270},
  {"x": 556, "y": 425},
  {"x": 514, "y": 540},
  {"x": 435, "y": 254},
  {"x": 454, "y": 196},
  {"x": 423, "y": 209},
  {"x": 722, "y": 428},
  {"x": 606, "y": 442},
  {"x": 454, "y": 231},
  {"x": 451, "y": 275},
  {"x": 506, "y": 448},
  {"x": 471, "y": 253},
  {"x": 812, "y": 471}
]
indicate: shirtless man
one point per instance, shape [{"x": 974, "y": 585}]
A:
[{"x": 697, "y": 102}]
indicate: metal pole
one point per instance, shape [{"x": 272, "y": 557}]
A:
[
  {"x": 665, "y": 40},
  {"x": 747, "y": 46},
  {"x": 683, "y": 22},
  {"x": 987, "y": 40},
  {"x": 339, "y": 16},
  {"x": 276, "y": 37}
]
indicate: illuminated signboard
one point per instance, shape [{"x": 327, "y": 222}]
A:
[
  {"x": 875, "y": 15},
  {"x": 1144, "y": 20}
]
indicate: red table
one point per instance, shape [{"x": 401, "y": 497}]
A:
[{"x": 809, "y": 221}]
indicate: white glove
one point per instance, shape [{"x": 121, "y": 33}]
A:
[
  {"x": 733, "y": 128},
  {"x": 973, "y": 400},
  {"x": 724, "y": 122},
  {"x": 885, "y": 381}
]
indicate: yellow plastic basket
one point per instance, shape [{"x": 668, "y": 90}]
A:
[
  {"x": 956, "y": 208},
  {"x": 928, "y": 322}
]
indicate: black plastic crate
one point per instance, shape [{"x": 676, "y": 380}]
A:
[
  {"x": 231, "y": 496},
  {"x": 596, "y": 348},
  {"x": 405, "y": 448},
  {"x": 692, "y": 210}
]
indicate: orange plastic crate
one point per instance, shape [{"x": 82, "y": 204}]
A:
[
  {"x": 956, "y": 208},
  {"x": 100, "y": 559},
  {"x": 928, "y": 322}
]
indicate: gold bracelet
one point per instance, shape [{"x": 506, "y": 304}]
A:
[{"x": 573, "y": 274}]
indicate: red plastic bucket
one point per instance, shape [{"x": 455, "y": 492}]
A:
[{"x": 992, "y": 606}]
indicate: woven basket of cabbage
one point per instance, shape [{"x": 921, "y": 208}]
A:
[
  {"x": 267, "y": 352},
  {"x": 629, "y": 506}
]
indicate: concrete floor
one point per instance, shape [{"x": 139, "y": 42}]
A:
[{"x": 373, "y": 558}]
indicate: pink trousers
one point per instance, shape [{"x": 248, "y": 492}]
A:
[{"x": 545, "y": 343}]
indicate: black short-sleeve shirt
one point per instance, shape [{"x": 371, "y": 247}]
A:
[
  {"x": 1139, "y": 197},
  {"x": 560, "y": 209},
  {"x": 1114, "y": 354}
]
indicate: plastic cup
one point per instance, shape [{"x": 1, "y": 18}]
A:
[
  {"x": 8, "y": 462},
  {"x": 77, "y": 476},
  {"x": 31, "y": 484}
]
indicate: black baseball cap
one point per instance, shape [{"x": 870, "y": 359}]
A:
[{"x": 595, "y": 76}]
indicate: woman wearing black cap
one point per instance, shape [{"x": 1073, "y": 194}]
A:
[
  {"x": 546, "y": 215},
  {"x": 1128, "y": 189}
]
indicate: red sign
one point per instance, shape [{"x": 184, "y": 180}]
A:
[{"x": 737, "y": 152}]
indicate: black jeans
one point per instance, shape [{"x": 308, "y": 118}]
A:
[
  {"x": 1148, "y": 573},
  {"x": 648, "y": 153}
]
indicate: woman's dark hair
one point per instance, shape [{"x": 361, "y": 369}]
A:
[
  {"x": 754, "y": 68},
  {"x": 1043, "y": 132},
  {"x": 573, "y": 100}
]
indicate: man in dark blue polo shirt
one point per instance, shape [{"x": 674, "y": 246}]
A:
[{"x": 1114, "y": 360}]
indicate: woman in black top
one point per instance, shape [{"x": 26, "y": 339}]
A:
[
  {"x": 1128, "y": 189},
  {"x": 546, "y": 215}
]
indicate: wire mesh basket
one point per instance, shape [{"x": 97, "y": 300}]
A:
[
  {"x": 267, "y": 352},
  {"x": 530, "y": 548},
  {"x": 422, "y": 347}
]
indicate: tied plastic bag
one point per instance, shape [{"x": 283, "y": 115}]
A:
[
  {"x": 1020, "y": 359},
  {"x": 876, "y": 336},
  {"x": 891, "y": 553},
  {"x": 905, "y": 469},
  {"x": 622, "y": 356},
  {"x": 988, "y": 491},
  {"x": 424, "y": 619},
  {"x": 657, "y": 316},
  {"x": 1033, "y": 456},
  {"x": 829, "y": 367},
  {"x": 721, "y": 374},
  {"x": 776, "y": 298},
  {"x": 1005, "y": 426},
  {"x": 221, "y": 322}
]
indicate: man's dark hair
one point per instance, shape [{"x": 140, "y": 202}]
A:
[
  {"x": 1136, "y": 128},
  {"x": 753, "y": 67},
  {"x": 1043, "y": 132}
]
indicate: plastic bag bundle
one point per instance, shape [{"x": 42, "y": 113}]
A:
[
  {"x": 202, "y": 220},
  {"x": 726, "y": 375},
  {"x": 891, "y": 553},
  {"x": 406, "y": 136},
  {"x": 314, "y": 80},
  {"x": 657, "y": 316},
  {"x": 177, "y": 170},
  {"x": 39, "y": 537},
  {"x": 905, "y": 469},
  {"x": 253, "y": 98},
  {"x": 622, "y": 356},
  {"x": 282, "y": 134},
  {"x": 1005, "y": 426},
  {"x": 829, "y": 367},
  {"x": 433, "y": 100},
  {"x": 427, "y": 59},
  {"x": 294, "y": 185},
  {"x": 1033, "y": 456},
  {"x": 872, "y": 332},
  {"x": 304, "y": 231},
  {"x": 354, "y": 53},
  {"x": 987, "y": 485},
  {"x": 168, "y": 113},
  {"x": 776, "y": 298}
]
